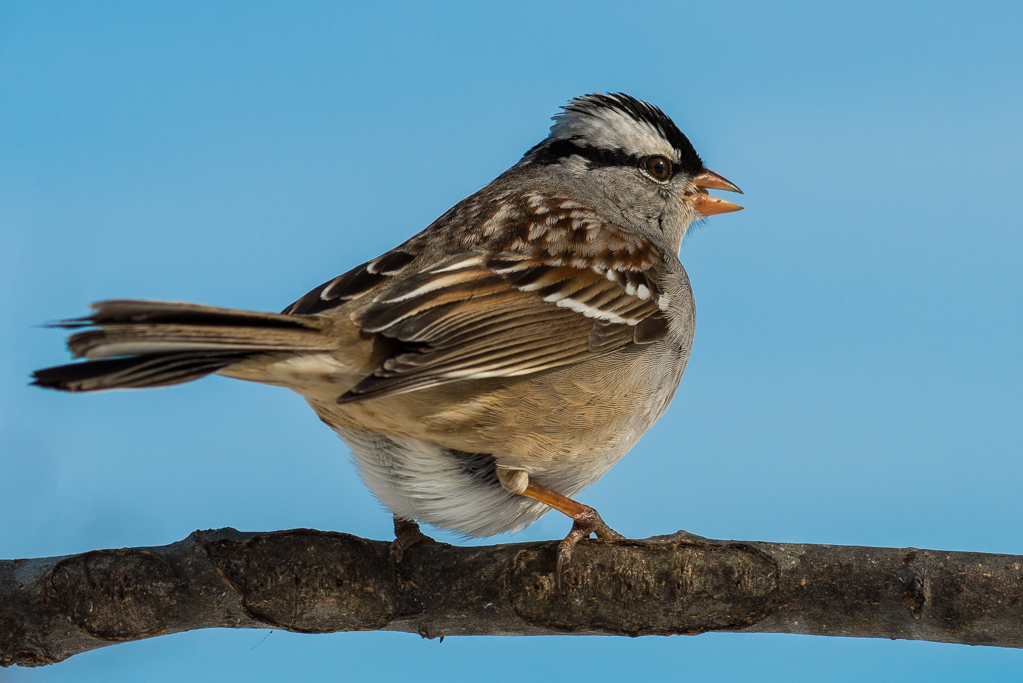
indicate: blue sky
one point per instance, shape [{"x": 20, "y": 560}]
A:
[{"x": 857, "y": 375}]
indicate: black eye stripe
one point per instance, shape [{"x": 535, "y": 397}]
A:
[
  {"x": 562, "y": 149},
  {"x": 559, "y": 150}
]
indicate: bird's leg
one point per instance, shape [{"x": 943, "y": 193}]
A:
[
  {"x": 585, "y": 520},
  {"x": 406, "y": 535}
]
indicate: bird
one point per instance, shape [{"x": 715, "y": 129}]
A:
[{"x": 494, "y": 365}]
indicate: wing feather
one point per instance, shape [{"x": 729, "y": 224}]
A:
[
  {"x": 539, "y": 282},
  {"x": 483, "y": 324}
]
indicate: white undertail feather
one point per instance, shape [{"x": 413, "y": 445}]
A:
[{"x": 426, "y": 482}]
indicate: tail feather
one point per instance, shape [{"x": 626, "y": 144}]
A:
[
  {"x": 136, "y": 372},
  {"x": 124, "y": 311},
  {"x": 133, "y": 340},
  {"x": 139, "y": 344}
]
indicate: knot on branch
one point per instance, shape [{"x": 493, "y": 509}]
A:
[{"x": 115, "y": 595}]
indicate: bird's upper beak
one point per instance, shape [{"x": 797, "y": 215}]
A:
[{"x": 707, "y": 204}]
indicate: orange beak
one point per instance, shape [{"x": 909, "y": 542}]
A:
[{"x": 707, "y": 204}]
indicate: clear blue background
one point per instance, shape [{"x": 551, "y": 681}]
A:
[{"x": 857, "y": 374}]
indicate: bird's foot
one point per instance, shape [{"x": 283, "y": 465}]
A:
[
  {"x": 406, "y": 534},
  {"x": 585, "y": 522}
]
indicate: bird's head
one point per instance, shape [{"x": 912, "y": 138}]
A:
[{"x": 632, "y": 160}]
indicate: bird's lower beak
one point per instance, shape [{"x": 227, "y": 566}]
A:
[{"x": 707, "y": 204}]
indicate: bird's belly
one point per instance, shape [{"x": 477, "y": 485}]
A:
[{"x": 565, "y": 428}]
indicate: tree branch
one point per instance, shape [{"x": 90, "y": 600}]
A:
[{"x": 319, "y": 582}]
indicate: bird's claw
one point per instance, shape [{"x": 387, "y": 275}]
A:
[
  {"x": 406, "y": 534},
  {"x": 586, "y": 523}
]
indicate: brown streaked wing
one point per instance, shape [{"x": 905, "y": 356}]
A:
[
  {"x": 472, "y": 319},
  {"x": 539, "y": 281}
]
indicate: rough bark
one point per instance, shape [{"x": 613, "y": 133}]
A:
[{"x": 318, "y": 582}]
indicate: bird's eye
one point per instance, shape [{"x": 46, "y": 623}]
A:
[{"x": 659, "y": 167}]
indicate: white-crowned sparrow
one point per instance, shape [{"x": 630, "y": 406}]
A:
[{"x": 495, "y": 364}]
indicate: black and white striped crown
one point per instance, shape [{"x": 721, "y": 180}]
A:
[{"x": 615, "y": 128}]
